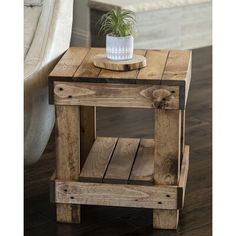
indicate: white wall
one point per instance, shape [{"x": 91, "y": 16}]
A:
[{"x": 80, "y": 30}]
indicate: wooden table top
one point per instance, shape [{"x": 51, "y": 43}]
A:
[
  {"x": 167, "y": 67},
  {"x": 164, "y": 67}
]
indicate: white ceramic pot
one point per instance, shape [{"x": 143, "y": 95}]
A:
[{"x": 119, "y": 48}]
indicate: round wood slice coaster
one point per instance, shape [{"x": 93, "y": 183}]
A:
[{"x": 136, "y": 62}]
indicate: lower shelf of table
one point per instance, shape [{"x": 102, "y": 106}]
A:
[
  {"x": 120, "y": 160},
  {"x": 125, "y": 195}
]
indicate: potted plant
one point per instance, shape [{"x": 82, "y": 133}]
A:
[{"x": 118, "y": 25}]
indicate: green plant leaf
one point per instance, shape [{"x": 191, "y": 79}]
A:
[{"x": 118, "y": 22}]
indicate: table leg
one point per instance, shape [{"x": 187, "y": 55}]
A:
[
  {"x": 87, "y": 131},
  {"x": 167, "y": 161},
  {"x": 68, "y": 156}
]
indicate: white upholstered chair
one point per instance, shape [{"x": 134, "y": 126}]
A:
[{"x": 47, "y": 30}]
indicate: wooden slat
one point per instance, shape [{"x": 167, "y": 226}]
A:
[
  {"x": 143, "y": 168},
  {"x": 116, "y": 95},
  {"x": 87, "y": 69},
  {"x": 122, "y": 160},
  {"x": 156, "y": 61},
  {"x": 121, "y": 74},
  {"x": 162, "y": 197},
  {"x": 69, "y": 63},
  {"x": 98, "y": 160},
  {"x": 167, "y": 161},
  {"x": 67, "y": 155},
  {"x": 184, "y": 173},
  {"x": 176, "y": 66},
  {"x": 182, "y": 142},
  {"x": 87, "y": 131}
]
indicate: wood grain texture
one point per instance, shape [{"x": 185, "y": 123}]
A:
[
  {"x": 156, "y": 61},
  {"x": 116, "y": 95},
  {"x": 130, "y": 76},
  {"x": 184, "y": 173},
  {"x": 165, "y": 219},
  {"x": 182, "y": 142},
  {"x": 167, "y": 146},
  {"x": 143, "y": 168},
  {"x": 87, "y": 69},
  {"x": 167, "y": 161},
  {"x": 98, "y": 160},
  {"x": 69, "y": 63},
  {"x": 87, "y": 131},
  {"x": 122, "y": 161},
  {"x": 137, "y": 62},
  {"x": 67, "y": 155},
  {"x": 163, "y": 197},
  {"x": 177, "y": 66}
]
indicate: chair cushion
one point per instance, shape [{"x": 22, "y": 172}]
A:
[
  {"x": 31, "y": 18},
  {"x": 33, "y": 2}
]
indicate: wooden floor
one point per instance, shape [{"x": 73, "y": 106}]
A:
[{"x": 196, "y": 217}]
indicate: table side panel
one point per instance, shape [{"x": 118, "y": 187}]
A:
[
  {"x": 116, "y": 95},
  {"x": 122, "y": 195}
]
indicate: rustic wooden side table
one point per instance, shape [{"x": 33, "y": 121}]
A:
[{"x": 110, "y": 171}]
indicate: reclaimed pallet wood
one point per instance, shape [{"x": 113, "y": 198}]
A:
[
  {"x": 184, "y": 172},
  {"x": 67, "y": 156},
  {"x": 117, "y": 95},
  {"x": 120, "y": 171},
  {"x": 122, "y": 161},
  {"x": 167, "y": 161},
  {"x": 143, "y": 168},
  {"x": 156, "y": 61},
  {"x": 87, "y": 131},
  {"x": 74, "y": 192},
  {"x": 137, "y": 62},
  {"x": 98, "y": 160}
]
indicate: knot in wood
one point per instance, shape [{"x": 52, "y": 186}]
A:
[{"x": 160, "y": 97}]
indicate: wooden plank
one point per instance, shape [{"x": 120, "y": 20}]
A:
[
  {"x": 177, "y": 66},
  {"x": 87, "y": 69},
  {"x": 156, "y": 60},
  {"x": 87, "y": 131},
  {"x": 182, "y": 142},
  {"x": 69, "y": 63},
  {"x": 184, "y": 173},
  {"x": 67, "y": 155},
  {"x": 143, "y": 168},
  {"x": 122, "y": 76},
  {"x": 98, "y": 160},
  {"x": 165, "y": 219},
  {"x": 116, "y": 95},
  {"x": 122, "y": 160},
  {"x": 178, "y": 72},
  {"x": 73, "y": 192},
  {"x": 137, "y": 62},
  {"x": 167, "y": 146},
  {"x": 167, "y": 161},
  {"x": 188, "y": 78}
]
